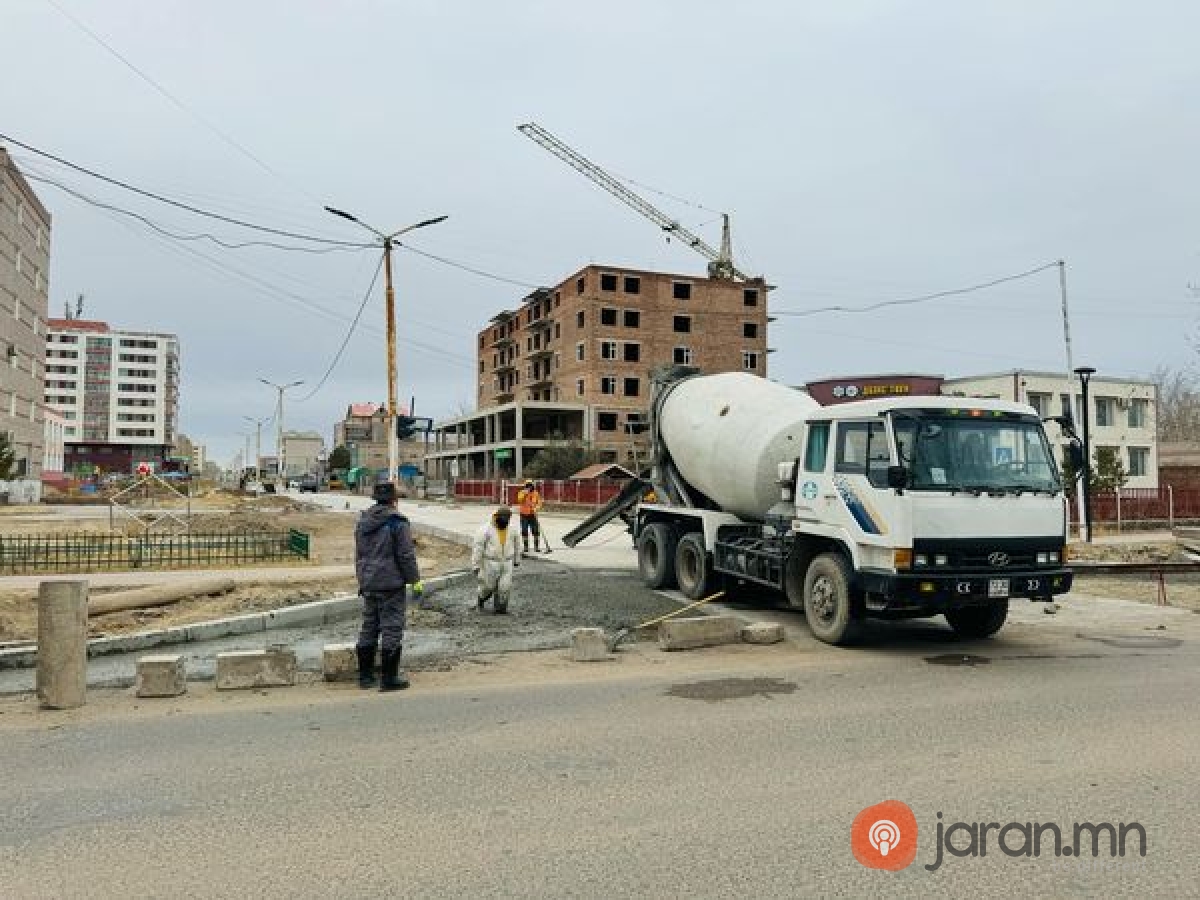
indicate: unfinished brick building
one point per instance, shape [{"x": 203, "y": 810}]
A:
[{"x": 575, "y": 360}]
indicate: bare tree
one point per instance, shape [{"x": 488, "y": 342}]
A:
[{"x": 1178, "y": 404}]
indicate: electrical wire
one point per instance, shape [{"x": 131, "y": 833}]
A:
[
  {"x": 176, "y": 101},
  {"x": 466, "y": 268},
  {"x": 179, "y": 204},
  {"x": 161, "y": 229},
  {"x": 909, "y": 301},
  {"x": 349, "y": 333}
]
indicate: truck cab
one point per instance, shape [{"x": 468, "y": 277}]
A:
[{"x": 940, "y": 505}]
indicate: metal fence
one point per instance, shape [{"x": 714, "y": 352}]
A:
[
  {"x": 567, "y": 492},
  {"x": 98, "y": 552},
  {"x": 1143, "y": 507}
]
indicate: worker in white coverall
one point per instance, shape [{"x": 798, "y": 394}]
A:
[{"x": 494, "y": 556}]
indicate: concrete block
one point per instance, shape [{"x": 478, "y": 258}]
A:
[
  {"x": 339, "y": 662},
  {"x": 588, "y": 645},
  {"x": 273, "y": 667},
  {"x": 162, "y": 675},
  {"x": 702, "y": 631},
  {"x": 763, "y": 633}
]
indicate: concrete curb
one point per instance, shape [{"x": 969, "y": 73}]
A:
[{"x": 318, "y": 612}]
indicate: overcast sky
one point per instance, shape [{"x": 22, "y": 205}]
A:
[{"x": 868, "y": 151}]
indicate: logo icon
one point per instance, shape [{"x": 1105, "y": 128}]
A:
[
  {"x": 809, "y": 491},
  {"x": 998, "y": 559},
  {"x": 884, "y": 836}
]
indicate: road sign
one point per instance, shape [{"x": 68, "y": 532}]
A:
[{"x": 504, "y": 453}]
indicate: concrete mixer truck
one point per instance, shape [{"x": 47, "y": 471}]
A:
[{"x": 885, "y": 508}]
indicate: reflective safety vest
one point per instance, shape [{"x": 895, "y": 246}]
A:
[{"x": 529, "y": 502}]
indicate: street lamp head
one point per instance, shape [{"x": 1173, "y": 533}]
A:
[
  {"x": 342, "y": 213},
  {"x": 1085, "y": 371}
]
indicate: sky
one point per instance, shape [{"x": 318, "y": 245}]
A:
[{"x": 867, "y": 151}]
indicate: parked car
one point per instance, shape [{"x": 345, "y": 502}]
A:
[{"x": 308, "y": 484}]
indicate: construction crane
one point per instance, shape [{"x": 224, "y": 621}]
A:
[{"x": 720, "y": 262}]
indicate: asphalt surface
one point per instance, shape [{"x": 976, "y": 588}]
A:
[{"x": 709, "y": 774}]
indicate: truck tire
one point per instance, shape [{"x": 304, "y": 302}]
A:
[
  {"x": 656, "y": 556},
  {"x": 829, "y": 600},
  {"x": 692, "y": 570},
  {"x": 978, "y": 621}
]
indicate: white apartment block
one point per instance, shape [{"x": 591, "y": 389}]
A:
[
  {"x": 1122, "y": 413},
  {"x": 24, "y": 264},
  {"x": 118, "y": 391}
]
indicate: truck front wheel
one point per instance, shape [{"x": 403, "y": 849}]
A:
[
  {"x": 978, "y": 621},
  {"x": 691, "y": 566},
  {"x": 656, "y": 556},
  {"x": 829, "y": 601}
]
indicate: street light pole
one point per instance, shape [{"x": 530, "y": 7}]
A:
[
  {"x": 1085, "y": 374},
  {"x": 280, "y": 470},
  {"x": 386, "y": 242}
]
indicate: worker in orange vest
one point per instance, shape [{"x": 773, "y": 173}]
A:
[{"x": 529, "y": 502}]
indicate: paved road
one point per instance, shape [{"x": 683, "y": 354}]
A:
[{"x": 650, "y": 776}]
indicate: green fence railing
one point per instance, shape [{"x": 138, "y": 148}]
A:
[{"x": 98, "y": 552}]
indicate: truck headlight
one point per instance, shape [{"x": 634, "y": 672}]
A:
[
  {"x": 1047, "y": 558},
  {"x": 920, "y": 560},
  {"x": 941, "y": 560}
]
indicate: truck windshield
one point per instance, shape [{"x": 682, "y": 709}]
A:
[{"x": 992, "y": 452}]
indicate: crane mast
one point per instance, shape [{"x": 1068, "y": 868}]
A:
[{"x": 720, "y": 261}]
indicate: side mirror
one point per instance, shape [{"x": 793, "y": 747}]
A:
[{"x": 897, "y": 477}]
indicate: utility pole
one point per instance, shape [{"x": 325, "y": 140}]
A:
[
  {"x": 386, "y": 242},
  {"x": 1072, "y": 403},
  {"x": 258, "y": 424},
  {"x": 279, "y": 453}
]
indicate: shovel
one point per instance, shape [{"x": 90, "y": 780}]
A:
[{"x": 623, "y": 633}]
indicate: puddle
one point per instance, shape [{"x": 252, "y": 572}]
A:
[
  {"x": 1134, "y": 641},
  {"x": 957, "y": 659},
  {"x": 731, "y": 689}
]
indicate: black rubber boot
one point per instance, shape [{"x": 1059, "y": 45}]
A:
[
  {"x": 500, "y": 607},
  {"x": 393, "y": 679},
  {"x": 366, "y": 667}
]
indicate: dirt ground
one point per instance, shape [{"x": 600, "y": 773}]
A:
[{"x": 332, "y": 537}]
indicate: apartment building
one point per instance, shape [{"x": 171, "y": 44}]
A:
[
  {"x": 118, "y": 391},
  {"x": 1122, "y": 413},
  {"x": 302, "y": 453},
  {"x": 24, "y": 265},
  {"x": 575, "y": 361}
]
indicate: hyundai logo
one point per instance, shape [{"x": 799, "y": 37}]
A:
[{"x": 999, "y": 560}]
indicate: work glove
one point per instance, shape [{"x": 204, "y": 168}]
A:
[{"x": 418, "y": 588}]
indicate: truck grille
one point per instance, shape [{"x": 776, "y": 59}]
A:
[{"x": 987, "y": 555}]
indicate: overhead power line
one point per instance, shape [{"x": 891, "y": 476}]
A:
[
  {"x": 229, "y": 141},
  {"x": 349, "y": 334},
  {"x": 909, "y": 301},
  {"x": 179, "y": 204},
  {"x": 467, "y": 268},
  {"x": 167, "y": 232}
]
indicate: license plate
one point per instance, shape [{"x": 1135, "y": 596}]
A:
[{"x": 998, "y": 587}]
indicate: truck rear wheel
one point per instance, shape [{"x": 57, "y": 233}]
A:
[
  {"x": 978, "y": 621},
  {"x": 829, "y": 600},
  {"x": 691, "y": 566},
  {"x": 656, "y": 556}
]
